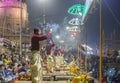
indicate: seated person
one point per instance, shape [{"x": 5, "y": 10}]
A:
[
  {"x": 1, "y": 73},
  {"x": 23, "y": 68}
]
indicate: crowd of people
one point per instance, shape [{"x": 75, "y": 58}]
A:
[
  {"x": 29, "y": 66},
  {"x": 14, "y": 66},
  {"x": 110, "y": 72}
]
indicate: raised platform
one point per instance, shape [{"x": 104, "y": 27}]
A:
[{"x": 57, "y": 77}]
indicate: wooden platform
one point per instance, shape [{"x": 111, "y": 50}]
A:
[{"x": 57, "y": 77}]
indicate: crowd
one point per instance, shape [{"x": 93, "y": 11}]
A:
[
  {"x": 110, "y": 71},
  {"x": 28, "y": 66},
  {"x": 15, "y": 66}
]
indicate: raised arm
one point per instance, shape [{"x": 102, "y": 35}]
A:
[
  {"x": 53, "y": 44},
  {"x": 44, "y": 37}
]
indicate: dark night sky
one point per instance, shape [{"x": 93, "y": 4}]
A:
[{"x": 56, "y": 11}]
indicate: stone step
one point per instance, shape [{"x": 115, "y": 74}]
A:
[
  {"x": 17, "y": 82},
  {"x": 55, "y": 82},
  {"x": 23, "y": 82},
  {"x": 42, "y": 82}
]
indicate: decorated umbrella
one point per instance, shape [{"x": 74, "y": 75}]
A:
[
  {"x": 74, "y": 21},
  {"x": 77, "y": 9}
]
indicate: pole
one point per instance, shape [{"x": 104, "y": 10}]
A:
[
  {"x": 20, "y": 26},
  {"x": 100, "y": 69},
  {"x": 80, "y": 50},
  {"x": 44, "y": 19},
  {"x": 80, "y": 54},
  {"x": 86, "y": 56}
]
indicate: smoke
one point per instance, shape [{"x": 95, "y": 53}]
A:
[
  {"x": 60, "y": 30},
  {"x": 49, "y": 26},
  {"x": 53, "y": 26}
]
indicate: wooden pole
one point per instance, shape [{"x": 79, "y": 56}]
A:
[
  {"x": 20, "y": 27},
  {"x": 86, "y": 56},
  {"x": 101, "y": 38}
]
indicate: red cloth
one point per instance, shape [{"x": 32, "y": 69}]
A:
[
  {"x": 35, "y": 41},
  {"x": 58, "y": 51},
  {"x": 49, "y": 47}
]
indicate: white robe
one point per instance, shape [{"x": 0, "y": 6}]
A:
[
  {"x": 50, "y": 63},
  {"x": 36, "y": 68}
]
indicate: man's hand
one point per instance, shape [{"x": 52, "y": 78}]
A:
[{"x": 50, "y": 30}]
